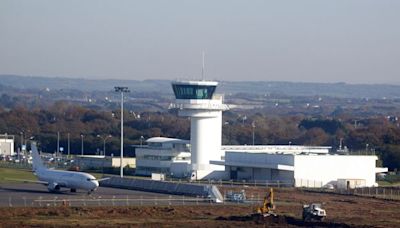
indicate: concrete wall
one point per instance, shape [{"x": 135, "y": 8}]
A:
[
  {"x": 131, "y": 162},
  {"x": 325, "y": 169},
  {"x": 101, "y": 161},
  {"x": 263, "y": 174},
  {"x": 180, "y": 169}
]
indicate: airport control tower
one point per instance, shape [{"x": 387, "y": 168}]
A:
[{"x": 196, "y": 99}]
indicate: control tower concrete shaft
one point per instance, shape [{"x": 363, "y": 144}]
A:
[{"x": 196, "y": 99}]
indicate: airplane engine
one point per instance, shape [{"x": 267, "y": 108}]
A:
[{"x": 53, "y": 187}]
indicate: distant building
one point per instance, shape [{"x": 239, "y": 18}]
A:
[
  {"x": 303, "y": 169},
  {"x": 164, "y": 155},
  {"x": 95, "y": 161},
  {"x": 7, "y": 145},
  {"x": 205, "y": 158}
]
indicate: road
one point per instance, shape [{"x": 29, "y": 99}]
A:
[{"x": 36, "y": 195}]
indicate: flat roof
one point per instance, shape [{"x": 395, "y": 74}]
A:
[
  {"x": 201, "y": 83},
  {"x": 166, "y": 140},
  {"x": 286, "y": 149}
]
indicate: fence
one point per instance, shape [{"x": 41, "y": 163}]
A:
[
  {"x": 244, "y": 183},
  {"x": 12, "y": 165},
  {"x": 390, "y": 193},
  {"x": 58, "y": 201},
  {"x": 128, "y": 200}
]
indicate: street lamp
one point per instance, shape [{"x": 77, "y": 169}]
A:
[
  {"x": 58, "y": 144},
  {"x": 104, "y": 142},
  {"x": 122, "y": 90},
  {"x": 5, "y": 143},
  {"x": 22, "y": 143},
  {"x": 141, "y": 140},
  {"x": 82, "y": 144},
  {"x": 68, "y": 144},
  {"x": 226, "y": 123},
  {"x": 253, "y": 124}
]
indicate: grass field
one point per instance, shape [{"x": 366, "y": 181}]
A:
[{"x": 6, "y": 174}]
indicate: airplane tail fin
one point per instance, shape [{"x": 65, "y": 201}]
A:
[{"x": 37, "y": 162}]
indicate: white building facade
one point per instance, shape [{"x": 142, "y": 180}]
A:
[
  {"x": 302, "y": 169},
  {"x": 164, "y": 155},
  {"x": 7, "y": 145}
]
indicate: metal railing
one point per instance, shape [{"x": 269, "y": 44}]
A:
[{"x": 389, "y": 193}]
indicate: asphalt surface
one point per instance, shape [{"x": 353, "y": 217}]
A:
[{"x": 37, "y": 195}]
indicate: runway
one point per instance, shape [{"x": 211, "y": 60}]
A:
[{"x": 36, "y": 195}]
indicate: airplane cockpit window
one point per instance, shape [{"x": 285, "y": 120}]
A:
[{"x": 90, "y": 179}]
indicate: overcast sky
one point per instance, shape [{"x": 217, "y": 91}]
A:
[{"x": 308, "y": 41}]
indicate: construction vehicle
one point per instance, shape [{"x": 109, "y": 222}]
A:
[
  {"x": 268, "y": 206},
  {"x": 313, "y": 212}
]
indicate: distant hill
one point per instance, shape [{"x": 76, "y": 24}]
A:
[{"x": 228, "y": 87}]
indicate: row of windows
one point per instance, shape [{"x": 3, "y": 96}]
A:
[
  {"x": 153, "y": 157},
  {"x": 193, "y": 91},
  {"x": 152, "y": 169},
  {"x": 177, "y": 146}
]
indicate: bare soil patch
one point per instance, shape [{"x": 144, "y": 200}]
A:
[{"x": 342, "y": 210}]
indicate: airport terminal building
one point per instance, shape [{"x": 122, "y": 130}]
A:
[
  {"x": 299, "y": 166},
  {"x": 203, "y": 157}
]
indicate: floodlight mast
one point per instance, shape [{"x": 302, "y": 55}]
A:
[{"x": 122, "y": 90}]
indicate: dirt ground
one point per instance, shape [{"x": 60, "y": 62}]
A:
[{"x": 343, "y": 211}]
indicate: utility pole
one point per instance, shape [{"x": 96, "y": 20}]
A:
[
  {"x": 122, "y": 90},
  {"x": 104, "y": 142},
  {"x": 82, "y": 144},
  {"x": 58, "y": 144},
  {"x": 68, "y": 145},
  {"x": 253, "y": 124}
]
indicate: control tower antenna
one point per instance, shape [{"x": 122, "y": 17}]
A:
[{"x": 202, "y": 68}]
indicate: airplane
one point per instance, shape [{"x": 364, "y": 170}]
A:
[{"x": 57, "y": 179}]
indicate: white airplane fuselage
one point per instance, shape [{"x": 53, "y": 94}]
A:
[
  {"x": 67, "y": 179},
  {"x": 57, "y": 179}
]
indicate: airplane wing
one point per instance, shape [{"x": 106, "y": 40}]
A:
[
  {"x": 103, "y": 179},
  {"x": 27, "y": 181}
]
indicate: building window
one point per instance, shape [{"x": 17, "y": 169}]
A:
[{"x": 193, "y": 91}]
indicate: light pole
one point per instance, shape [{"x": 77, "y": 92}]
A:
[
  {"x": 22, "y": 142},
  {"x": 226, "y": 123},
  {"x": 141, "y": 140},
  {"x": 82, "y": 144},
  {"x": 122, "y": 90},
  {"x": 104, "y": 142},
  {"x": 253, "y": 125},
  {"x": 5, "y": 142},
  {"x": 68, "y": 144},
  {"x": 22, "y": 139},
  {"x": 58, "y": 144}
]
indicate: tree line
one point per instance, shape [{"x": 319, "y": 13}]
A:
[{"x": 378, "y": 133}]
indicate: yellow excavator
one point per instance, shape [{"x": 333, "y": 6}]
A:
[{"x": 268, "y": 206}]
